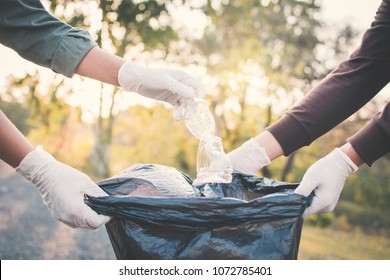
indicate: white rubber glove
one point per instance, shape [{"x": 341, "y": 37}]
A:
[
  {"x": 249, "y": 158},
  {"x": 171, "y": 86},
  {"x": 326, "y": 178},
  {"x": 62, "y": 189}
]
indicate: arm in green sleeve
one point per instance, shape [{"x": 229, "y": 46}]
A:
[{"x": 27, "y": 28}]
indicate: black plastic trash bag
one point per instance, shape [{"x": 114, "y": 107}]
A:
[{"x": 250, "y": 218}]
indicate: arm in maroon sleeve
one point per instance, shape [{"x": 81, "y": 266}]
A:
[
  {"x": 373, "y": 140},
  {"x": 344, "y": 91}
]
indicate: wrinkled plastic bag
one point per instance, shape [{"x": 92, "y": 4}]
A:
[{"x": 250, "y": 218}]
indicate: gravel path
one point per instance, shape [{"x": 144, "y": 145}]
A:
[{"x": 28, "y": 232}]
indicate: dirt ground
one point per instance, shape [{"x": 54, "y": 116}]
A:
[{"x": 28, "y": 232}]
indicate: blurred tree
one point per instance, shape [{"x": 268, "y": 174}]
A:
[
  {"x": 258, "y": 64},
  {"x": 123, "y": 26},
  {"x": 17, "y": 112},
  {"x": 364, "y": 200},
  {"x": 155, "y": 138},
  {"x": 39, "y": 110},
  {"x": 261, "y": 57}
]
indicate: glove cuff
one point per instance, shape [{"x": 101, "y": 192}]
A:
[
  {"x": 128, "y": 76},
  {"x": 257, "y": 151},
  {"x": 252, "y": 156},
  {"x": 34, "y": 161},
  {"x": 348, "y": 163}
]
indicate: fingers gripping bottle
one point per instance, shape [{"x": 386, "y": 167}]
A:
[{"x": 213, "y": 165}]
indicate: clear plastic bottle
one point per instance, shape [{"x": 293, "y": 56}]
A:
[
  {"x": 199, "y": 119},
  {"x": 213, "y": 166}
]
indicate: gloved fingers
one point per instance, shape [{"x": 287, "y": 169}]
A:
[
  {"x": 249, "y": 158},
  {"x": 77, "y": 214},
  {"x": 179, "y": 110},
  {"x": 242, "y": 163},
  {"x": 315, "y": 207},
  {"x": 93, "y": 220},
  {"x": 180, "y": 89},
  {"x": 306, "y": 213},
  {"x": 321, "y": 203},
  {"x": 191, "y": 82},
  {"x": 330, "y": 207},
  {"x": 94, "y": 191},
  {"x": 307, "y": 185},
  {"x": 86, "y": 218},
  {"x": 179, "y": 103},
  {"x": 304, "y": 189}
]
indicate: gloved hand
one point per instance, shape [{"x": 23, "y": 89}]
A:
[
  {"x": 326, "y": 178},
  {"x": 172, "y": 86},
  {"x": 249, "y": 158},
  {"x": 62, "y": 189}
]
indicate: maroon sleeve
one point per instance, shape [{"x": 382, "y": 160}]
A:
[
  {"x": 344, "y": 91},
  {"x": 373, "y": 140}
]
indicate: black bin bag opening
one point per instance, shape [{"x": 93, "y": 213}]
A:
[{"x": 158, "y": 214}]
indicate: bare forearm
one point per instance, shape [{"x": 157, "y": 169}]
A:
[
  {"x": 350, "y": 151},
  {"x": 274, "y": 150},
  {"x": 270, "y": 144},
  {"x": 13, "y": 145},
  {"x": 100, "y": 65}
]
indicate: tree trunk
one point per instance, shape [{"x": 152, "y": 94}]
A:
[
  {"x": 99, "y": 158},
  {"x": 288, "y": 166},
  {"x": 266, "y": 171}
]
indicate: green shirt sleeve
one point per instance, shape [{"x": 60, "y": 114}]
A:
[{"x": 27, "y": 28}]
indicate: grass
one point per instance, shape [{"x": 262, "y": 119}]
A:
[{"x": 330, "y": 244}]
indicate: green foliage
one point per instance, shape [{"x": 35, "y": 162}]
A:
[
  {"x": 322, "y": 220},
  {"x": 41, "y": 113},
  {"x": 259, "y": 56},
  {"x": 148, "y": 19},
  {"x": 365, "y": 198},
  {"x": 125, "y": 24},
  {"x": 280, "y": 36},
  {"x": 152, "y": 136},
  {"x": 17, "y": 113},
  {"x": 262, "y": 56},
  {"x": 265, "y": 31},
  {"x": 332, "y": 244},
  {"x": 47, "y": 110}
]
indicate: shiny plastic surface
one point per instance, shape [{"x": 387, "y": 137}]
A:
[
  {"x": 250, "y": 218},
  {"x": 199, "y": 120},
  {"x": 213, "y": 165}
]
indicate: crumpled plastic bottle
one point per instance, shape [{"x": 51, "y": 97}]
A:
[{"x": 213, "y": 165}]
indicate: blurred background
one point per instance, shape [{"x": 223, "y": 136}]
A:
[{"x": 256, "y": 59}]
